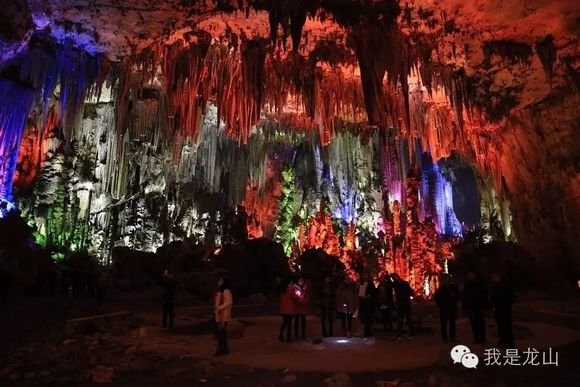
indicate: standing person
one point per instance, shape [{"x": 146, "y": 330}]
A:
[
  {"x": 223, "y": 303},
  {"x": 168, "y": 299},
  {"x": 446, "y": 298},
  {"x": 386, "y": 302},
  {"x": 474, "y": 305},
  {"x": 327, "y": 307},
  {"x": 346, "y": 301},
  {"x": 367, "y": 302},
  {"x": 403, "y": 296},
  {"x": 502, "y": 299},
  {"x": 301, "y": 299},
  {"x": 287, "y": 312}
]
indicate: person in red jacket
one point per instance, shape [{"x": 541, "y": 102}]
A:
[
  {"x": 287, "y": 311},
  {"x": 301, "y": 299}
]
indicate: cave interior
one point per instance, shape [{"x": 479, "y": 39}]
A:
[{"x": 379, "y": 128}]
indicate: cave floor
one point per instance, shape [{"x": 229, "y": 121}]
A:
[{"x": 38, "y": 352}]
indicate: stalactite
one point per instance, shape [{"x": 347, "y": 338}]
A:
[
  {"x": 291, "y": 15},
  {"x": 437, "y": 200},
  {"x": 510, "y": 51},
  {"x": 496, "y": 222},
  {"x": 371, "y": 54},
  {"x": 262, "y": 206},
  {"x": 15, "y": 104},
  {"x": 39, "y": 68},
  {"x": 425, "y": 46},
  {"x": 35, "y": 146},
  {"x": 459, "y": 89},
  {"x": 293, "y": 76},
  {"x": 253, "y": 56},
  {"x": 380, "y": 51},
  {"x": 185, "y": 68},
  {"x": 202, "y": 121},
  {"x": 547, "y": 53},
  {"x": 78, "y": 74},
  {"x": 336, "y": 97}
]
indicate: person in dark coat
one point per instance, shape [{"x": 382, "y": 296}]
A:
[
  {"x": 168, "y": 299},
  {"x": 327, "y": 307},
  {"x": 367, "y": 296},
  {"x": 474, "y": 305},
  {"x": 502, "y": 299},
  {"x": 386, "y": 302},
  {"x": 446, "y": 298},
  {"x": 301, "y": 297},
  {"x": 403, "y": 296},
  {"x": 346, "y": 304}
]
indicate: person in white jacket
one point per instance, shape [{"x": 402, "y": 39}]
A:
[{"x": 223, "y": 303}]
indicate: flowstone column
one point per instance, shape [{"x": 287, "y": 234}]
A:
[{"x": 15, "y": 104}]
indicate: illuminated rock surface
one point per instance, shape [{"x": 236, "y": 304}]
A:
[{"x": 134, "y": 123}]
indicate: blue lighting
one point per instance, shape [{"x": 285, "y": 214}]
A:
[
  {"x": 15, "y": 105},
  {"x": 437, "y": 198}
]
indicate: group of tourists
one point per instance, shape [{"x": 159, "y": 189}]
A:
[
  {"x": 347, "y": 300},
  {"x": 476, "y": 300},
  {"x": 391, "y": 301}
]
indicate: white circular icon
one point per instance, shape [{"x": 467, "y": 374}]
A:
[
  {"x": 470, "y": 360},
  {"x": 457, "y": 353}
]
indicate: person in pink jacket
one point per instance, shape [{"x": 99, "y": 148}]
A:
[
  {"x": 301, "y": 296},
  {"x": 287, "y": 311},
  {"x": 223, "y": 302}
]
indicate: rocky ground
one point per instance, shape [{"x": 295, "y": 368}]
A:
[{"x": 40, "y": 348}]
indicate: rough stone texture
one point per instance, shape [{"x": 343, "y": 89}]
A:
[
  {"x": 15, "y": 28},
  {"x": 540, "y": 163}
]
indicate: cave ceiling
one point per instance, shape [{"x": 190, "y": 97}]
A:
[{"x": 465, "y": 34}]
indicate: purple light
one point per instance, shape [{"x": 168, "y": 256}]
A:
[
  {"x": 437, "y": 198},
  {"x": 15, "y": 105}
]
